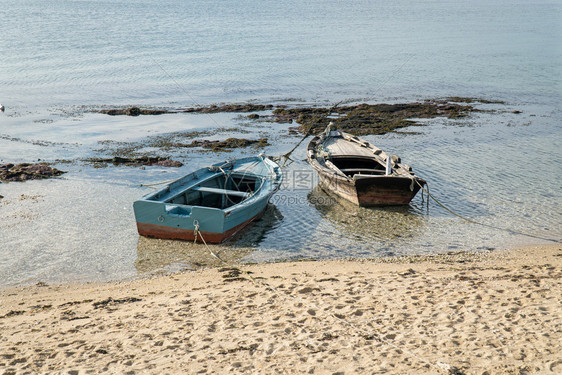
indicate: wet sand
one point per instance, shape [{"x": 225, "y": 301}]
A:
[{"x": 493, "y": 312}]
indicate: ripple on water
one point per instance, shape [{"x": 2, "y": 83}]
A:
[{"x": 82, "y": 226}]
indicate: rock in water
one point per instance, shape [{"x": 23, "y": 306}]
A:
[{"x": 26, "y": 171}]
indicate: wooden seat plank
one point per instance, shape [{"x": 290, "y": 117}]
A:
[{"x": 221, "y": 191}]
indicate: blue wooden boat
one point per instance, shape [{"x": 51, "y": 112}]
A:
[{"x": 215, "y": 202}]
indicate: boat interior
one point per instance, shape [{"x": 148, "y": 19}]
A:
[
  {"x": 221, "y": 191},
  {"x": 351, "y": 165}
]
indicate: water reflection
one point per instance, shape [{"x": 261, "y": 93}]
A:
[
  {"x": 367, "y": 224},
  {"x": 163, "y": 256},
  {"x": 259, "y": 230}
]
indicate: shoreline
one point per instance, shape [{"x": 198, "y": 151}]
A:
[{"x": 486, "y": 313}]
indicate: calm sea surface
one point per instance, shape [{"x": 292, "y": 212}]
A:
[{"x": 60, "y": 59}]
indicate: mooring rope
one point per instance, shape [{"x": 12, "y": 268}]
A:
[
  {"x": 159, "y": 183},
  {"x": 480, "y": 223},
  {"x": 197, "y": 232},
  {"x": 287, "y": 156}
]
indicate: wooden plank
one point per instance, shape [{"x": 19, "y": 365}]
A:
[
  {"x": 340, "y": 146},
  {"x": 221, "y": 191},
  {"x": 369, "y": 170}
]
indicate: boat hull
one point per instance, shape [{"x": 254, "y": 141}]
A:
[
  {"x": 206, "y": 201},
  {"x": 338, "y": 187},
  {"x": 386, "y": 191},
  {"x": 372, "y": 191},
  {"x": 174, "y": 233}
]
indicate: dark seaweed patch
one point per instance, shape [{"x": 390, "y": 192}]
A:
[
  {"x": 27, "y": 171},
  {"x": 137, "y": 162},
  {"x": 366, "y": 119},
  {"x": 136, "y": 111},
  {"x": 460, "y": 99},
  {"x": 227, "y": 144},
  {"x": 231, "y": 108}
]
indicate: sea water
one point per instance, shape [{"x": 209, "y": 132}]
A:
[{"x": 61, "y": 59}]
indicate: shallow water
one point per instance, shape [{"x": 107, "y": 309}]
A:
[
  {"x": 81, "y": 226},
  {"x": 498, "y": 168}
]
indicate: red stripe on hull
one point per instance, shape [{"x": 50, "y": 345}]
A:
[{"x": 169, "y": 233}]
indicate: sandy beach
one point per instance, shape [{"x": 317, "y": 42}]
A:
[{"x": 496, "y": 312}]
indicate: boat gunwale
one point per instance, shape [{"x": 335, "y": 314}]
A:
[
  {"x": 261, "y": 192},
  {"x": 401, "y": 170}
]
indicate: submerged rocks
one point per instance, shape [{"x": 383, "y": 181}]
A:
[
  {"x": 136, "y": 111},
  {"x": 231, "y": 108},
  {"x": 27, "y": 171},
  {"x": 137, "y": 162},
  {"x": 462, "y": 99},
  {"x": 133, "y": 111},
  {"x": 227, "y": 144},
  {"x": 360, "y": 119},
  {"x": 363, "y": 119}
]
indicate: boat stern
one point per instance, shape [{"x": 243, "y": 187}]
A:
[{"x": 386, "y": 191}]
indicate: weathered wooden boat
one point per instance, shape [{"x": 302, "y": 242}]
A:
[
  {"x": 359, "y": 172},
  {"x": 213, "y": 203}
]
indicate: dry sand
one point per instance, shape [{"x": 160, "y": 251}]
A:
[{"x": 488, "y": 313}]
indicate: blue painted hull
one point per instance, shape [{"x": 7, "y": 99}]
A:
[{"x": 219, "y": 200}]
